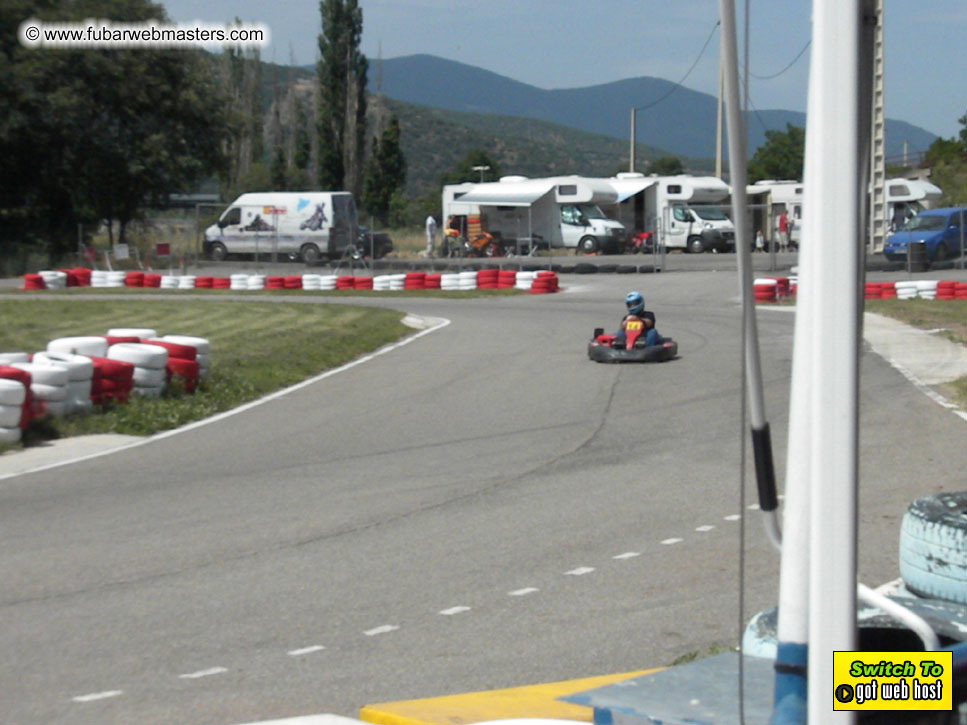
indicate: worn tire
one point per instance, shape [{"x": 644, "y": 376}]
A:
[
  {"x": 588, "y": 245},
  {"x": 933, "y": 546},
  {"x": 218, "y": 252},
  {"x": 695, "y": 245},
  {"x": 309, "y": 254}
]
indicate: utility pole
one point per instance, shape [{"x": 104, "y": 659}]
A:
[
  {"x": 631, "y": 151},
  {"x": 878, "y": 204}
]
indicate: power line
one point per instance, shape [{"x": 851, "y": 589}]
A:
[
  {"x": 688, "y": 73},
  {"x": 791, "y": 64}
]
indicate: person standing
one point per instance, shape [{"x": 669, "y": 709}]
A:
[
  {"x": 783, "y": 232},
  {"x": 430, "y": 235},
  {"x": 760, "y": 242}
]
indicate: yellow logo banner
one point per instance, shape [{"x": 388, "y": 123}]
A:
[{"x": 892, "y": 681}]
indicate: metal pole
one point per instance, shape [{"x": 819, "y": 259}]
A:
[{"x": 631, "y": 150}]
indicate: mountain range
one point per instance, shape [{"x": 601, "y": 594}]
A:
[{"x": 672, "y": 118}]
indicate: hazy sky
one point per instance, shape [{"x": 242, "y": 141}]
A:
[{"x": 574, "y": 43}]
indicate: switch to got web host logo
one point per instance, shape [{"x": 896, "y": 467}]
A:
[{"x": 892, "y": 681}]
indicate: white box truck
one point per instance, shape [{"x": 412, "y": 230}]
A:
[
  {"x": 309, "y": 225},
  {"x": 683, "y": 212},
  {"x": 555, "y": 212}
]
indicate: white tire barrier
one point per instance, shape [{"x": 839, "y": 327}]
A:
[
  {"x": 238, "y": 281},
  {"x": 148, "y": 377},
  {"x": 11, "y": 357},
  {"x": 256, "y": 282},
  {"x": 312, "y": 282},
  {"x": 169, "y": 282},
  {"x": 140, "y": 355},
  {"x": 186, "y": 281},
  {"x": 12, "y": 392},
  {"x": 79, "y": 367},
  {"x": 10, "y": 415},
  {"x": 45, "y": 374},
  {"x": 327, "y": 282},
  {"x": 91, "y": 345},
  {"x": 450, "y": 281},
  {"x": 147, "y": 391},
  {"x": 9, "y": 435},
  {"x": 524, "y": 280},
  {"x": 54, "y": 279}
]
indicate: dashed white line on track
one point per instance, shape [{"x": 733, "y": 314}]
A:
[
  {"x": 454, "y": 610},
  {"x": 305, "y": 650},
  {"x": 669, "y": 542},
  {"x": 94, "y": 696},
  {"x": 627, "y": 555},
  {"x": 523, "y": 592},
  {"x": 203, "y": 673},
  {"x": 733, "y": 517},
  {"x": 704, "y": 528},
  {"x": 382, "y": 629},
  {"x": 580, "y": 571}
]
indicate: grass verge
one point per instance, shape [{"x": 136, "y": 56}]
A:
[
  {"x": 257, "y": 348},
  {"x": 948, "y": 316}
]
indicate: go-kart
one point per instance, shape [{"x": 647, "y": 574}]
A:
[{"x": 607, "y": 348}]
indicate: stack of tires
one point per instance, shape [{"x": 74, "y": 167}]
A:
[
  {"x": 363, "y": 283},
  {"x": 186, "y": 281},
  {"x": 221, "y": 282},
  {"x": 960, "y": 291},
  {"x": 275, "y": 282},
  {"x": 14, "y": 404},
  {"x": 134, "y": 279},
  {"x": 450, "y": 281},
  {"x": 906, "y": 289},
  {"x": 256, "y": 282},
  {"x": 34, "y": 282},
  {"x": 345, "y": 282},
  {"x": 873, "y": 290},
  {"x": 201, "y": 346},
  {"x": 765, "y": 290},
  {"x": 90, "y": 345},
  {"x": 432, "y": 281},
  {"x": 204, "y": 282},
  {"x": 506, "y": 279},
  {"x": 48, "y": 388},
  {"x": 181, "y": 365},
  {"x": 487, "y": 278},
  {"x": 150, "y": 363},
  {"x": 80, "y": 372},
  {"x": 946, "y": 290},
  {"x": 524, "y": 280},
  {"x": 112, "y": 381},
  {"x": 239, "y": 281},
  {"x": 293, "y": 281},
  {"x": 54, "y": 279},
  {"x": 544, "y": 283},
  {"x": 414, "y": 281},
  {"x": 468, "y": 280}
]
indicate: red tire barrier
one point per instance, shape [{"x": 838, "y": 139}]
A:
[
  {"x": 115, "y": 339},
  {"x": 275, "y": 282},
  {"x": 960, "y": 291},
  {"x": 414, "y": 280},
  {"x": 83, "y": 276},
  {"x": 432, "y": 281},
  {"x": 23, "y": 377},
  {"x": 185, "y": 370},
  {"x": 293, "y": 281},
  {"x": 175, "y": 349},
  {"x": 152, "y": 280},
  {"x": 362, "y": 283},
  {"x": 34, "y": 281},
  {"x": 203, "y": 282},
  {"x": 345, "y": 282},
  {"x": 222, "y": 282},
  {"x": 506, "y": 278},
  {"x": 134, "y": 279}
]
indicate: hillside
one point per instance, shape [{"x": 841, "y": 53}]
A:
[
  {"x": 434, "y": 140},
  {"x": 681, "y": 121}
]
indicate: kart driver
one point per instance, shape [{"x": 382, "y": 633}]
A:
[{"x": 636, "y": 313}]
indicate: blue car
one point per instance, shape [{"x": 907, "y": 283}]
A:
[{"x": 938, "y": 229}]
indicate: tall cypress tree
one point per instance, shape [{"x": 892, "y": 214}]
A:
[
  {"x": 385, "y": 172},
  {"x": 342, "y": 72}
]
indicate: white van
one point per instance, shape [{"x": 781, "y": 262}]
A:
[{"x": 307, "y": 224}]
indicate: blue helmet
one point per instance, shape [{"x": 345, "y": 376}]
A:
[{"x": 635, "y": 303}]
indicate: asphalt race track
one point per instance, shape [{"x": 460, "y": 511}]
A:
[{"x": 481, "y": 508}]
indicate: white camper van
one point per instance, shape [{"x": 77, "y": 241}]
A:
[
  {"x": 905, "y": 198},
  {"x": 685, "y": 211},
  {"x": 769, "y": 198},
  {"x": 556, "y": 212},
  {"x": 307, "y": 224}
]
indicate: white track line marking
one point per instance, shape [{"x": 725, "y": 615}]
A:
[
  {"x": 669, "y": 542},
  {"x": 733, "y": 517},
  {"x": 523, "y": 592},
  {"x": 627, "y": 555},
  {"x": 97, "y": 696},
  {"x": 203, "y": 673},
  {"x": 305, "y": 650},
  {"x": 704, "y": 528},
  {"x": 382, "y": 629},
  {"x": 580, "y": 571},
  {"x": 454, "y": 610},
  {"x": 753, "y": 507},
  {"x": 440, "y": 323}
]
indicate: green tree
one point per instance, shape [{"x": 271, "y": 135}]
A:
[
  {"x": 780, "y": 157},
  {"x": 341, "y": 71},
  {"x": 667, "y": 166},
  {"x": 465, "y": 171},
  {"x": 947, "y": 159},
  {"x": 385, "y": 172},
  {"x": 92, "y": 134}
]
